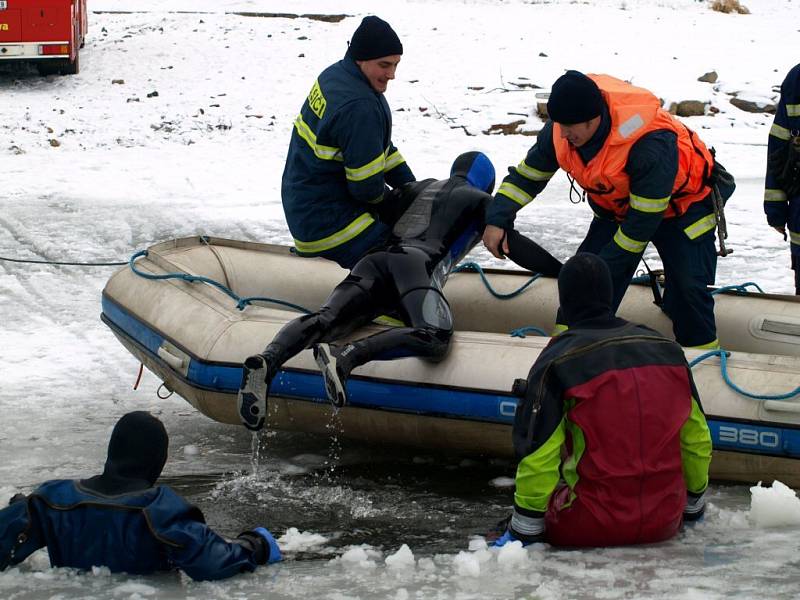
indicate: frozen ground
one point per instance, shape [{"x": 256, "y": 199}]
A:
[{"x": 95, "y": 170}]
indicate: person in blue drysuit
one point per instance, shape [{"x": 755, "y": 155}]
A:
[
  {"x": 782, "y": 183},
  {"x": 122, "y": 520}
]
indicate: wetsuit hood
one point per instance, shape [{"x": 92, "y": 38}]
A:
[
  {"x": 585, "y": 290},
  {"x": 137, "y": 453},
  {"x": 476, "y": 168}
]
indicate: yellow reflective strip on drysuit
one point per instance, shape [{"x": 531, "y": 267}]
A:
[
  {"x": 793, "y": 110},
  {"x": 529, "y": 172},
  {"x": 518, "y": 195},
  {"x": 779, "y": 132},
  {"x": 712, "y": 345},
  {"x": 794, "y": 237},
  {"x": 393, "y": 160},
  {"x": 774, "y": 195},
  {"x": 538, "y": 473},
  {"x": 627, "y": 243},
  {"x": 558, "y": 329},
  {"x": 320, "y": 151},
  {"x": 701, "y": 226},
  {"x": 373, "y": 167},
  {"x": 695, "y": 450},
  {"x": 649, "y": 205},
  {"x": 340, "y": 237}
]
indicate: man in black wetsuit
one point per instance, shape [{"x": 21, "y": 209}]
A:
[{"x": 436, "y": 223}]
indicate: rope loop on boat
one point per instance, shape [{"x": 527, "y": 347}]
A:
[
  {"x": 473, "y": 266},
  {"x": 241, "y": 303},
  {"x": 522, "y": 331},
  {"x": 723, "y": 360},
  {"x": 742, "y": 287}
]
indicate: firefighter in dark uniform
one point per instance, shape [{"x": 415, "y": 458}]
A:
[
  {"x": 341, "y": 156},
  {"x": 647, "y": 178},
  {"x": 437, "y": 224},
  {"x": 782, "y": 184},
  {"x": 613, "y": 445},
  {"x": 121, "y": 520}
]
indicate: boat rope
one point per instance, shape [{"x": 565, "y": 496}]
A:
[
  {"x": 473, "y": 266},
  {"x": 60, "y": 263},
  {"x": 241, "y": 303},
  {"x": 742, "y": 287},
  {"x": 723, "y": 360},
  {"x": 522, "y": 331}
]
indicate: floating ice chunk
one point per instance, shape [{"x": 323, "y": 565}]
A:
[
  {"x": 467, "y": 564},
  {"x": 512, "y": 555},
  {"x": 402, "y": 594},
  {"x": 357, "y": 557},
  {"x": 477, "y": 543},
  {"x": 134, "y": 589},
  {"x": 775, "y": 506},
  {"x": 426, "y": 564},
  {"x": 502, "y": 482},
  {"x": 191, "y": 450},
  {"x": 294, "y": 540},
  {"x": 402, "y": 559}
]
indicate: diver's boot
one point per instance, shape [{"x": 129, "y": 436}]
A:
[
  {"x": 253, "y": 391},
  {"x": 334, "y": 376}
]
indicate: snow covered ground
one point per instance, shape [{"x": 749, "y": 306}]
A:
[{"x": 97, "y": 166}]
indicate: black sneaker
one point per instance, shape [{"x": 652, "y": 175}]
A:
[
  {"x": 334, "y": 382},
  {"x": 252, "y": 398}
]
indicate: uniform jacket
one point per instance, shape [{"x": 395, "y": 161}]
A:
[
  {"x": 340, "y": 159},
  {"x": 781, "y": 210},
  {"x": 138, "y": 533},
  {"x": 611, "y": 435}
]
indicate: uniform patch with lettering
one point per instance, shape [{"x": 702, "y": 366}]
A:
[{"x": 316, "y": 101}]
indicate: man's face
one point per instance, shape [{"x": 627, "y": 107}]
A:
[
  {"x": 379, "y": 71},
  {"x": 579, "y": 133}
]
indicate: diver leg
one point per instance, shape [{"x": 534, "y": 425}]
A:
[{"x": 530, "y": 255}]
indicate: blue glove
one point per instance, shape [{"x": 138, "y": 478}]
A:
[
  {"x": 274, "y": 552},
  {"x": 504, "y": 539}
]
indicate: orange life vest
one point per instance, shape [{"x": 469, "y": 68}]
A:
[{"x": 634, "y": 112}]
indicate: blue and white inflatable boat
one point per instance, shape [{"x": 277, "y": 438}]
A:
[{"x": 191, "y": 310}]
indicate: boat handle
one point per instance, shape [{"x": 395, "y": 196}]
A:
[
  {"x": 176, "y": 362},
  {"x": 782, "y": 406}
]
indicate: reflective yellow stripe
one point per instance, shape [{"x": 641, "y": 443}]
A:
[
  {"x": 558, "y": 329},
  {"x": 394, "y": 159},
  {"x": 338, "y": 238},
  {"x": 794, "y": 237},
  {"x": 779, "y": 132},
  {"x": 518, "y": 195},
  {"x": 774, "y": 195},
  {"x": 626, "y": 243},
  {"x": 699, "y": 227},
  {"x": 529, "y": 172},
  {"x": 368, "y": 170},
  {"x": 649, "y": 205},
  {"x": 712, "y": 345},
  {"x": 793, "y": 110},
  {"x": 320, "y": 151}
]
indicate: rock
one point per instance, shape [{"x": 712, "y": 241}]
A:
[
  {"x": 710, "y": 77},
  {"x": 117, "y": 82},
  {"x": 152, "y": 94},
  {"x": 55, "y": 143},
  {"x": 688, "y": 108},
  {"x": 753, "y": 107}
]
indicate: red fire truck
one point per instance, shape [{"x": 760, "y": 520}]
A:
[{"x": 49, "y": 33}]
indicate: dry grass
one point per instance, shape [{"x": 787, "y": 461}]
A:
[{"x": 729, "y": 6}]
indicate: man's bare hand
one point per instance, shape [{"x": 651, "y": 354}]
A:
[
  {"x": 494, "y": 238},
  {"x": 781, "y": 230}
]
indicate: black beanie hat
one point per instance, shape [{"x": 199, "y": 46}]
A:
[
  {"x": 585, "y": 290},
  {"x": 374, "y": 38},
  {"x": 574, "y": 98}
]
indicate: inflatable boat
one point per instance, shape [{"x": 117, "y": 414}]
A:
[{"x": 191, "y": 310}]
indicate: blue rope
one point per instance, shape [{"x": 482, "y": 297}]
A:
[
  {"x": 241, "y": 303},
  {"x": 742, "y": 287},
  {"x": 530, "y": 329},
  {"x": 472, "y": 266},
  {"x": 723, "y": 359}
]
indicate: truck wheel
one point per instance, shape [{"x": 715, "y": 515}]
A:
[{"x": 69, "y": 67}]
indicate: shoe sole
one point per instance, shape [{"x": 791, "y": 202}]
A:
[
  {"x": 251, "y": 401},
  {"x": 334, "y": 388}
]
